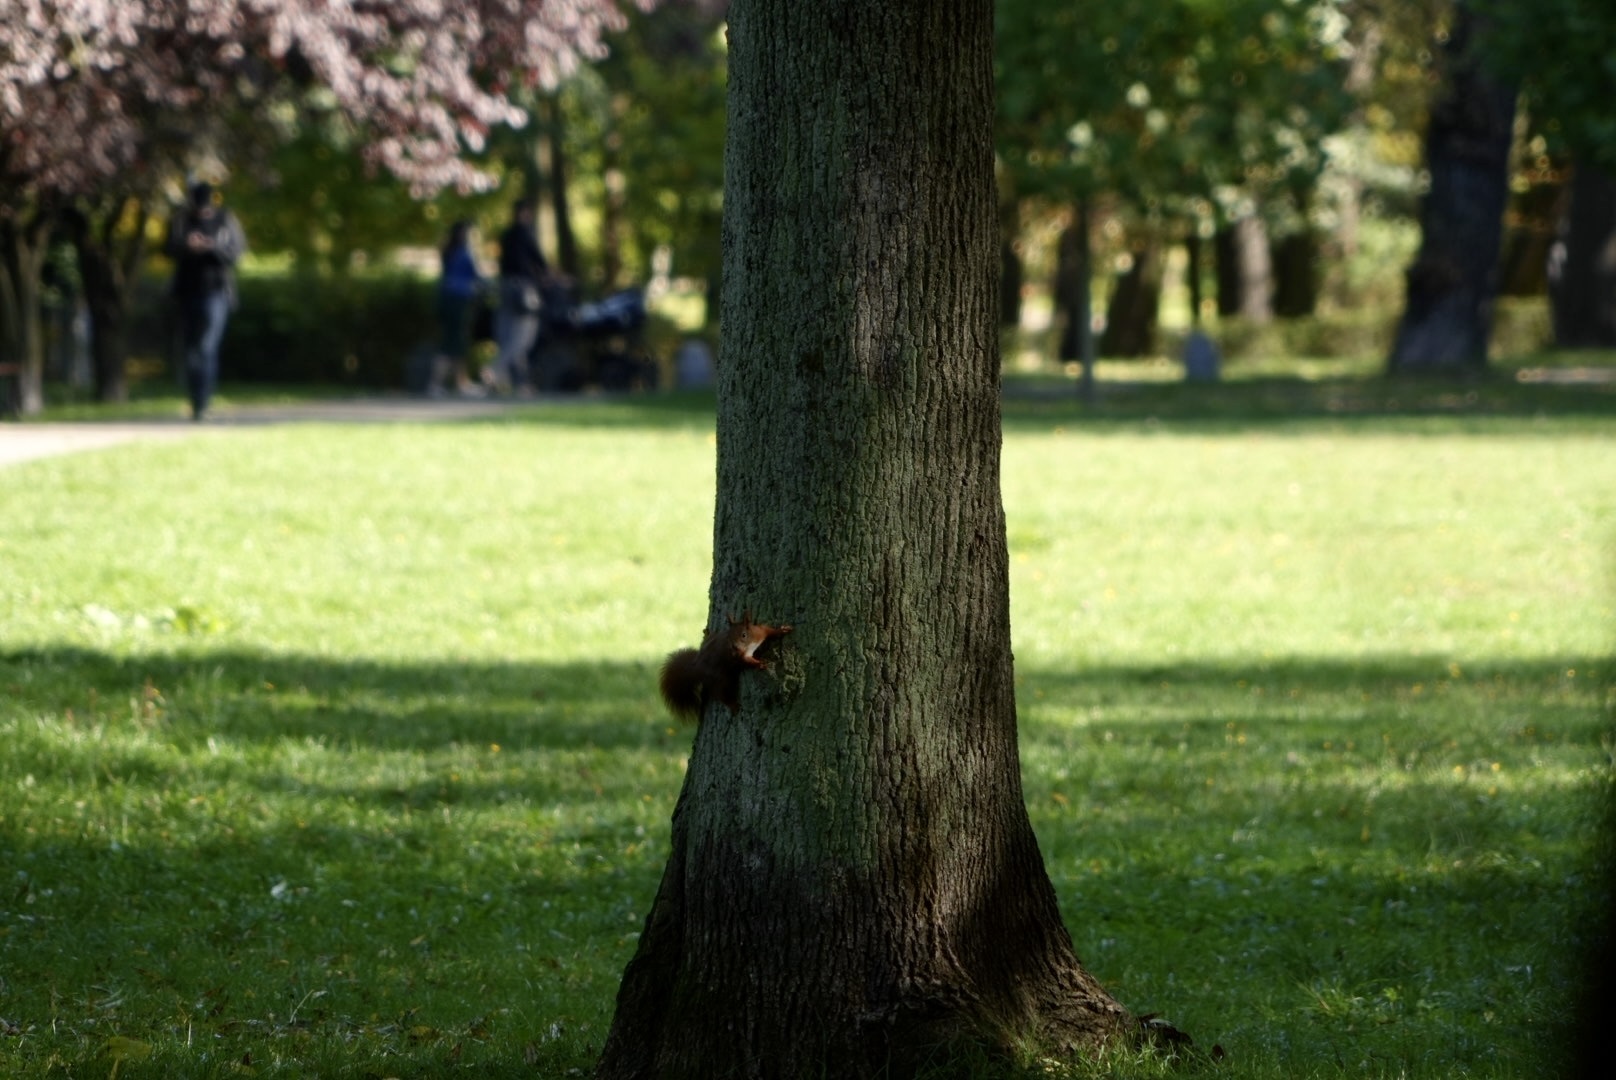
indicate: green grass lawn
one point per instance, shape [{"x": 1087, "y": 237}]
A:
[{"x": 334, "y": 750}]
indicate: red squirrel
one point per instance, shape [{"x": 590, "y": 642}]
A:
[{"x": 692, "y": 677}]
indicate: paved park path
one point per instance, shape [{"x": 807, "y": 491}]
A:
[{"x": 25, "y": 441}]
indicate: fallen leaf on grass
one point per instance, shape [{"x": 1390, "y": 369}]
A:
[{"x": 122, "y": 1049}]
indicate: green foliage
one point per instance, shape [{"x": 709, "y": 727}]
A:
[
  {"x": 314, "y": 198},
  {"x": 651, "y": 113},
  {"x": 334, "y": 750},
  {"x": 671, "y": 70},
  {"x": 1166, "y": 102},
  {"x": 1564, "y": 54},
  {"x": 1519, "y": 328}
]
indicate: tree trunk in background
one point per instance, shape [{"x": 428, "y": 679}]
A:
[
  {"x": 1447, "y": 316},
  {"x": 23, "y": 244},
  {"x": 1245, "y": 271},
  {"x": 1361, "y": 71},
  {"x": 110, "y": 253},
  {"x": 853, "y": 885},
  {"x": 109, "y": 331},
  {"x": 1194, "y": 272},
  {"x": 612, "y": 211},
  {"x": 1295, "y": 260},
  {"x": 1074, "y": 295},
  {"x": 1226, "y": 272},
  {"x": 1582, "y": 271},
  {"x": 1130, "y": 315},
  {"x": 555, "y": 145},
  {"x": 1531, "y": 225}
]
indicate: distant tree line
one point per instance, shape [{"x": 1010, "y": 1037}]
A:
[
  {"x": 1258, "y": 135},
  {"x": 106, "y": 106},
  {"x": 1255, "y": 137}
]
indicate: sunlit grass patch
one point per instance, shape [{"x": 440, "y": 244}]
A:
[{"x": 335, "y": 751}]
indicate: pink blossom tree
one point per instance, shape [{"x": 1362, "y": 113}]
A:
[{"x": 103, "y": 101}]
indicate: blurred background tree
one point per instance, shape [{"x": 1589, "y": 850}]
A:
[{"x": 1251, "y": 168}]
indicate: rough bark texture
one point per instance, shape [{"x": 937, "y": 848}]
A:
[
  {"x": 853, "y": 885},
  {"x": 1447, "y": 317},
  {"x": 1582, "y": 270}
]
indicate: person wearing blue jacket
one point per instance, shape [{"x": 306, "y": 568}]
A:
[{"x": 459, "y": 288}]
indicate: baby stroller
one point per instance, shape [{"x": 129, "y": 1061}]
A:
[{"x": 597, "y": 344}]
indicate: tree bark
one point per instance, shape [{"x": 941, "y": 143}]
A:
[
  {"x": 1447, "y": 316},
  {"x": 1074, "y": 294},
  {"x": 1130, "y": 314},
  {"x": 23, "y": 243},
  {"x": 555, "y": 134},
  {"x": 614, "y": 196},
  {"x": 1582, "y": 269},
  {"x": 1245, "y": 270},
  {"x": 1295, "y": 261},
  {"x": 853, "y": 883},
  {"x": 110, "y": 253},
  {"x": 1194, "y": 272}
]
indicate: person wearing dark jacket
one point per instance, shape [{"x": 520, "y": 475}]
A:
[
  {"x": 522, "y": 270},
  {"x": 205, "y": 241}
]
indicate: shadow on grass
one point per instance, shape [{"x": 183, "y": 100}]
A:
[
  {"x": 1031, "y": 403},
  {"x": 274, "y": 698},
  {"x": 1236, "y": 404},
  {"x": 1279, "y": 401},
  {"x": 423, "y": 705},
  {"x": 1305, "y": 860}
]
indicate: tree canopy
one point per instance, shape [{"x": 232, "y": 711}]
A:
[
  {"x": 148, "y": 86},
  {"x": 426, "y": 79},
  {"x": 1163, "y": 102}
]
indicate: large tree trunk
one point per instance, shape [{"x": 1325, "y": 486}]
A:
[
  {"x": 1130, "y": 313},
  {"x": 1447, "y": 316},
  {"x": 1582, "y": 273},
  {"x": 23, "y": 245},
  {"x": 853, "y": 882}
]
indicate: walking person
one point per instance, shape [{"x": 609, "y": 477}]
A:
[
  {"x": 522, "y": 270},
  {"x": 205, "y": 241},
  {"x": 459, "y": 288}
]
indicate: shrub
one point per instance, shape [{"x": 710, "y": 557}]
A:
[{"x": 351, "y": 329}]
